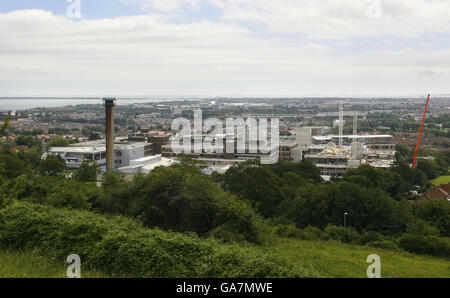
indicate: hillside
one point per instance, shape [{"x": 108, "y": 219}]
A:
[
  {"x": 441, "y": 180},
  {"x": 319, "y": 258},
  {"x": 31, "y": 264},
  {"x": 333, "y": 259}
]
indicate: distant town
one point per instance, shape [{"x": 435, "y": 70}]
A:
[{"x": 336, "y": 134}]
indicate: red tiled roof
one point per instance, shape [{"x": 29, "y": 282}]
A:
[
  {"x": 445, "y": 187},
  {"x": 441, "y": 192}
]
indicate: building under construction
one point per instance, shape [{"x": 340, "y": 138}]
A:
[{"x": 335, "y": 154}]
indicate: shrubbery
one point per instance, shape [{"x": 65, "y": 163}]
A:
[
  {"x": 385, "y": 244},
  {"x": 345, "y": 235},
  {"x": 123, "y": 247},
  {"x": 370, "y": 236},
  {"x": 435, "y": 212},
  {"x": 308, "y": 233},
  {"x": 60, "y": 192},
  {"x": 324, "y": 204},
  {"x": 289, "y": 195},
  {"x": 182, "y": 200},
  {"x": 421, "y": 239},
  {"x": 432, "y": 245}
]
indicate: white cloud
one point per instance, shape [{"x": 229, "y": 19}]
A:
[
  {"x": 44, "y": 54},
  {"x": 327, "y": 18},
  {"x": 166, "y": 6},
  {"x": 344, "y": 18}
]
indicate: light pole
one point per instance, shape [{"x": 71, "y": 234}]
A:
[{"x": 345, "y": 219}]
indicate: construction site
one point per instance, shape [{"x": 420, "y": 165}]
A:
[{"x": 335, "y": 154}]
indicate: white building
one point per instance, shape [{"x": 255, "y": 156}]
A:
[
  {"x": 146, "y": 164},
  {"x": 125, "y": 152},
  {"x": 74, "y": 156}
]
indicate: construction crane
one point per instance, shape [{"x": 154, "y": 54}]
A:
[
  {"x": 420, "y": 134},
  {"x": 355, "y": 133},
  {"x": 341, "y": 122}
]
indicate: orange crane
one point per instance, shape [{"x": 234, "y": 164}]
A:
[{"x": 420, "y": 133}]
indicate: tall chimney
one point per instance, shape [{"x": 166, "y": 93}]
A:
[{"x": 109, "y": 109}]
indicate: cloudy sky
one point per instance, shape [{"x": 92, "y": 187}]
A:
[{"x": 224, "y": 47}]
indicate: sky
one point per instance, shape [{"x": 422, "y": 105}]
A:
[{"x": 251, "y": 48}]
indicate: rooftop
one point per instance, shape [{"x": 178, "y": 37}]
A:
[{"x": 85, "y": 149}]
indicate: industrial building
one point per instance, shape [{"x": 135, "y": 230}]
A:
[
  {"x": 74, "y": 156},
  {"x": 156, "y": 138},
  {"x": 124, "y": 152},
  {"x": 146, "y": 164},
  {"x": 290, "y": 150},
  {"x": 224, "y": 154}
]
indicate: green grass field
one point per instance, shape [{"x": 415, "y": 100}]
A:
[
  {"x": 33, "y": 265},
  {"x": 319, "y": 258},
  {"x": 331, "y": 259},
  {"x": 441, "y": 180}
]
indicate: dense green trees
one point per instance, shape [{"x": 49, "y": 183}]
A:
[
  {"x": 241, "y": 204},
  {"x": 435, "y": 212},
  {"x": 11, "y": 166},
  {"x": 87, "y": 172},
  {"x": 122, "y": 247},
  {"x": 58, "y": 142},
  {"x": 24, "y": 141},
  {"x": 266, "y": 187},
  {"x": 305, "y": 169},
  {"x": 11, "y": 190},
  {"x": 367, "y": 208},
  {"x": 256, "y": 184},
  {"x": 181, "y": 199},
  {"x": 52, "y": 165},
  {"x": 4, "y": 125},
  {"x": 370, "y": 177}
]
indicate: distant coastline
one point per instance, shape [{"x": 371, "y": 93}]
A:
[{"x": 26, "y": 103}]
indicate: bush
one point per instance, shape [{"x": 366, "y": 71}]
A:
[
  {"x": 69, "y": 194},
  {"x": 311, "y": 233},
  {"x": 123, "y": 247},
  {"x": 233, "y": 261},
  {"x": 370, "y": 236},
  {"x": 422, "y": 228},
  {"x": 436, "y": 212},
  {"x": 385, "y": 244},
  {"x": 432, "y": 245},
  {"x": 291, "y": 231},
  {"x": 367, "y": 208},
  {"x": 346, "y": 235},
  {"x": 52, "y": 165},
  {"x": 61, "y": 192},
  {"x": 227, "y": 233},
  {"x": 287, "y": 230},
  {"x": 182, "y": 200}
]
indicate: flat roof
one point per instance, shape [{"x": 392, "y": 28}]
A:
[
  {"x": 121, "y": 142},
  {"x": 352, "y": 137},
  {"x": 87, "y": 149}
]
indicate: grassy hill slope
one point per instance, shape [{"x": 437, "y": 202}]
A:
[
  {"x": 441, "y": 180},
  {"x": 31, "y": 264},
  {"x": 332, "y": 259},
  {"x": 325, "y": 259}
]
